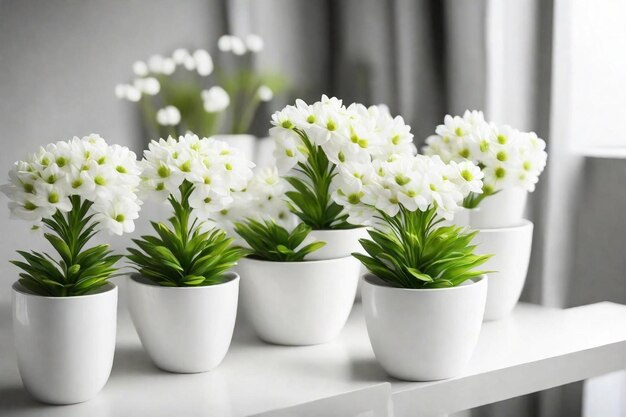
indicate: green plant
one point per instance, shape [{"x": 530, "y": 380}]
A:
[
  {"x": 311, "y": 200},
  {"x": 418, "y": 252},
  {"x": 271, "y": 242},
  {"x": 79, "y": 271},
  {"x": 183, "y": 255}
]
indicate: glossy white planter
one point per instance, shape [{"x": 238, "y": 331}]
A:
[
  {"x": 511, "y": 248},
  {"x": 339, "y": 243},
  {"x": 503, "y": 209},
  {"x": 65, "y": 345},
  {"x": 264, "y": 156},
  {"x": 298, "y": 303},
  {"x": 184, "y": 329},
  {"x": 245, "y": 143},
  {"x": 423, "y": 335}
]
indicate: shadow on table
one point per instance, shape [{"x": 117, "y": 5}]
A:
[{"x": 132, "y": 360}]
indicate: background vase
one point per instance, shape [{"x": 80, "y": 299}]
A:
[
  {"x": 503, "y": 209},
  {"x": 511, "y": 248}
]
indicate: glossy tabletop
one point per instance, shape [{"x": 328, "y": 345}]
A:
[{"x": 534, "y": 349}]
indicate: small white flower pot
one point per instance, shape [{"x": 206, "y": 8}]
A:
[
  {"x": 423, "y": 334},
  {"x": 339, "y": 243},
  {"x": 503, "y": 209},
  {"x": 265, "y": 153},
  {"x": 298, "y": 303},
  {"x": 65, "y": 345},
  {"x": 511, "y": 248},
  {"x": 245, "y": 143},
  {"x": 184, "y": 329}
]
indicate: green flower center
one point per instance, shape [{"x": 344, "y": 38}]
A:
[
  {"x": 287, "y": 124},
  {"x": 163, "y": 171},
  {"x": 29, "y": 206},
  {"x": 501, "y": 139},
  {"x": 53, "y": 198},
  {"x": 121, "y": 169},
  {"x": 500, "y": 172},
  {"x": 467, "y": 175},
  {"x": 502, "y": 156},
  {"x": 119, "y": 218},
  {"x": 402, "y": 180}
]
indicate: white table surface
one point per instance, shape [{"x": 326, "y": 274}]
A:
[{"x": 534, "y": 349}]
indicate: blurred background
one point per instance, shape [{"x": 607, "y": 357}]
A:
[{"x": 555, "y": 67}]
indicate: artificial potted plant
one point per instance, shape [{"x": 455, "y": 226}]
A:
[
  {"x": 512, "y": 162},
  {"x": 312, "y": 142},
  {"x": 64, "y": 306},
  {"x": 183, "y": 300},
  {"x": 289, "y": 300},
  {"x": 190, "y": 91},
  {"x": 423, "y": 297}
]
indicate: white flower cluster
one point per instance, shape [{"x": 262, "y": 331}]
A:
[
  {"x": 168, "y": 116},
  {"x": 106, "y": 175},
  {"x": 414, "y": 182},
  {"x": 262, "y": 199},
  {"x": 239, "y": 46},
  {"x": 199, "y": 61},
  {"x": 353, "y": 134},
  {"x": 216, "y": 171},
  {"x": 215, "y": 99},
  {"x": 508, "y": 157}
]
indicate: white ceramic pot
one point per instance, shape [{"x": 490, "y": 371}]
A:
[
  {"x": 265, "y": 153},
  {"x": 423, "y": 334},
  {"x": 245, "y": 143},
  {"x": 65, "y": 345},
  {"x": 503, "y": 209},
  {"x": 511, "y": 248},
  {"x": 339, "y": 243},
  {"x": 184, "y": 329},
  {"x": 298, "y": 303}
]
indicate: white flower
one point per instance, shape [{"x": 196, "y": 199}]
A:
[
  {"x": 180, "y": 55},
  {"x": 168, "y": 66},
  {"x": 148, "y": 85},
  {"x": 89, "y": 168},
  {"x": 263, "y": 198},
  {"x": 155, "y": 64},
  {"x": 204, "y": 62},
  {"x": 506, "y": 156},
  {"x": 254, "y": 43},
  {"x": 346, "y": 134},
  {"x": 224, "y": 43},
  {"x": 410, "y": 182},
  {"x": 265, "y": 93},
  {"x": 140, "y": 69},
  {"x": 168, "y": 116},
  {"x": 216, "y": 171},
  {"x": 238, "y": 47},
  {"x": 127, "y": 92},
  {"x": 215, "y": 99}
]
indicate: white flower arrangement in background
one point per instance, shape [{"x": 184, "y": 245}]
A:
[
  {"x": 189, "y": 91},
  {"x": 263, "y": 199},
  {"x": 411, "y": 182},
  {"x": 506, "y": 156},
  {"x": 312, "y": 141},
  {"x": 72, "y": 189}
]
